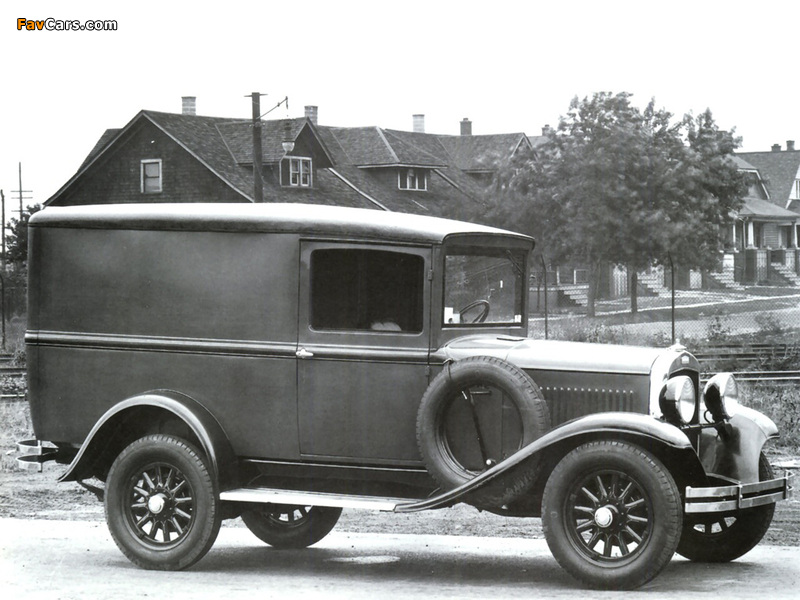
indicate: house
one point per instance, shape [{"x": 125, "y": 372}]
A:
[
  {"x": 762, "y": 245},
  {"x": 165, "y": 157}
]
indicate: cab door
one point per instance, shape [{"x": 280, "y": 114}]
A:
[{"x": 363, "y": 347}]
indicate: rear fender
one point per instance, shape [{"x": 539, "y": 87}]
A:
[
  {"x": 663, "y": 440},
  {"x": 206, "y": 429}
]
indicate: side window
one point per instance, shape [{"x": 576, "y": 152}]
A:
[{"x": 366, "y": 290}]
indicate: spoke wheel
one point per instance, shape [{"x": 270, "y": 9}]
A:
[
  {"x": 723, "y": 538},
  {"x": 285, "y": 526},
  {"x": 611, "y": 515},
  {"x": 162, "y": 506}
]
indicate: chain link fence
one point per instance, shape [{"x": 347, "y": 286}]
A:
[{"x": 673, "y": 306}]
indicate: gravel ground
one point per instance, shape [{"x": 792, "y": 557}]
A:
[{"x": 40, "y": 496}]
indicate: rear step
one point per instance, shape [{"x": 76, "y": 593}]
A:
[{"x": 277, "y": 496}]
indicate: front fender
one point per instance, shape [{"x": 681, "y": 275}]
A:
[
  {"x": 212, "y": 438},
  {"x": 646, "y": 430}
]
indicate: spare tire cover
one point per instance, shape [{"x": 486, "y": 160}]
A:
[{"x": 475, "y": 413}]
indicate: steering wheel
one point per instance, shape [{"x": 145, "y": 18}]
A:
[{"x": 483, "y": 314}]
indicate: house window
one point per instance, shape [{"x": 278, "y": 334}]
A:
[
  {"x": 299, "y": 172},
  {"x": 797, "y": 189},
  {"x": 151, "y": 176},
  {"x": 412, "y": 179}
]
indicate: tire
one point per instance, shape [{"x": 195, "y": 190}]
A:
[
  {"x": 162, "y": 505},
  {"x": 718, "y": 539},
  {"x": 476, "y": 413},
  {"x": 611, "y": 515},
  {"x": 283, "y": 526}
]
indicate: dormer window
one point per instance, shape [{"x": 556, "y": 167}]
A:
[
  {"x": 412, "y": 179},
  {"x": 151, "y": 176},
  {"x": 796, "y": 189},
  {"x": 297, "y": 172}
]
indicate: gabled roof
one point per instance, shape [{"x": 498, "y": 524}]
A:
[
  {"x": 107, "y": 136},
  {"x": 353, "y": 161},
  {"x": 778, "y": 170},
  {"x": 482, "y": 153}
]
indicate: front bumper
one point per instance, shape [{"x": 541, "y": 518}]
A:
[{"x": 735, "y": 497}]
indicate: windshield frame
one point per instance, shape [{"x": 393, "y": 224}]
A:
[{"x": 494, "y": 247}]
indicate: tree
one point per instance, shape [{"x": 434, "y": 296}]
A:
[
  {"x": 616, "y": 185},
  {"x": 17, "y": 239}
]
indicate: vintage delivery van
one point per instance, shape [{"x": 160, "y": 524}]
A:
[{"x": 192, "y": 363}]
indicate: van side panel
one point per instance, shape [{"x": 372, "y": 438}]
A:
[{"x": 116, "y": 313}]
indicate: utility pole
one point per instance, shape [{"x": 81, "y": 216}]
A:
[
  {"x": 22, "y": 195},
  {"x": 258, "y": 183},
  {"x": 20, "y": 190}
]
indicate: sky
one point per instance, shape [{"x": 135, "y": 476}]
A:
[{"x": 508, "y": 66}]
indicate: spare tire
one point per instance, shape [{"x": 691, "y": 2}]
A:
[{"x": 476, "y": 413}]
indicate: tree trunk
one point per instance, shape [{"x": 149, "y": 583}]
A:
[{"x": 633, "y": 284}]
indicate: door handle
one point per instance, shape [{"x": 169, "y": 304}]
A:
[{"x": 303, "y": 353}]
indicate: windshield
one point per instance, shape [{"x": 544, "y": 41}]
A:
[{"x": 483, "y": 286}]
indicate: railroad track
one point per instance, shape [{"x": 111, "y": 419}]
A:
[
  {"x": 746, "y": 352},
  {"x": 766, "y": 376}
]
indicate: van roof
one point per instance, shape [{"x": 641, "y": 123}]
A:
[{"x": 342, "y": 222}]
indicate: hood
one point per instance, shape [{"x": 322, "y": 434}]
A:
[{"x": 551, "y": 355}]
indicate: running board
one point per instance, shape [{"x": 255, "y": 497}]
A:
[{"x": 295, "y": 498}]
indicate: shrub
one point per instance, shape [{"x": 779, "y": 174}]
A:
[
  {"x": 770, "y": 327},
  {"x": 15, "y": 425},
  {"x": 718, "y": 331},
  {"x": 780, "y": 403}
]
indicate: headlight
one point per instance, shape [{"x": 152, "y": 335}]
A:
[
  {"x": 721, "y": 395},
  {"x": 678, "y": 400}
]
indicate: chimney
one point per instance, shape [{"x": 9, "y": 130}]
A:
[
  {"x": 312, "y": 113},
  {"x": 419, "y": 123},
  {"x": 189, "y": 105},
  {"x": 466, "y": 126},
  {"x": 545, "y": 130},
  {"x": 790, "y": 145},
  {"x": 776, "y": 147}
]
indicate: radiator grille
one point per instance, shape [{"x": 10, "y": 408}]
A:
[{"x": 567, "y": 403}]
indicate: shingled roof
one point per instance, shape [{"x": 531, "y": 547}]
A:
[
  {"x": 778, "y": 170},
  {"x": 353, "y": 166}
]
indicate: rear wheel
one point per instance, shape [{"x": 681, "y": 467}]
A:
[
  {"x": 161, "y": 503},
  {"x": 611, "y": 514},
  {"x": 717, "y": 539},
  {"x": 284, "y": 526}
]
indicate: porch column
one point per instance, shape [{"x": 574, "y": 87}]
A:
[
  {"x": 733, "y": 239},
  {"x": 750, "y": 241},
  {"x": 794, "y": 235}
]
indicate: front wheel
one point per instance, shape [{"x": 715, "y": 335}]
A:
[
  {"x": 284, "y": 526},
  {"x": 611, "y": 514},
  {"x": 717, "y": 539},
  {"x": 161, "y": 503}
]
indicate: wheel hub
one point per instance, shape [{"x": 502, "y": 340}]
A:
[
  {"x": 604, "y": 516},
  {"x": 156, "y": 503}
]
